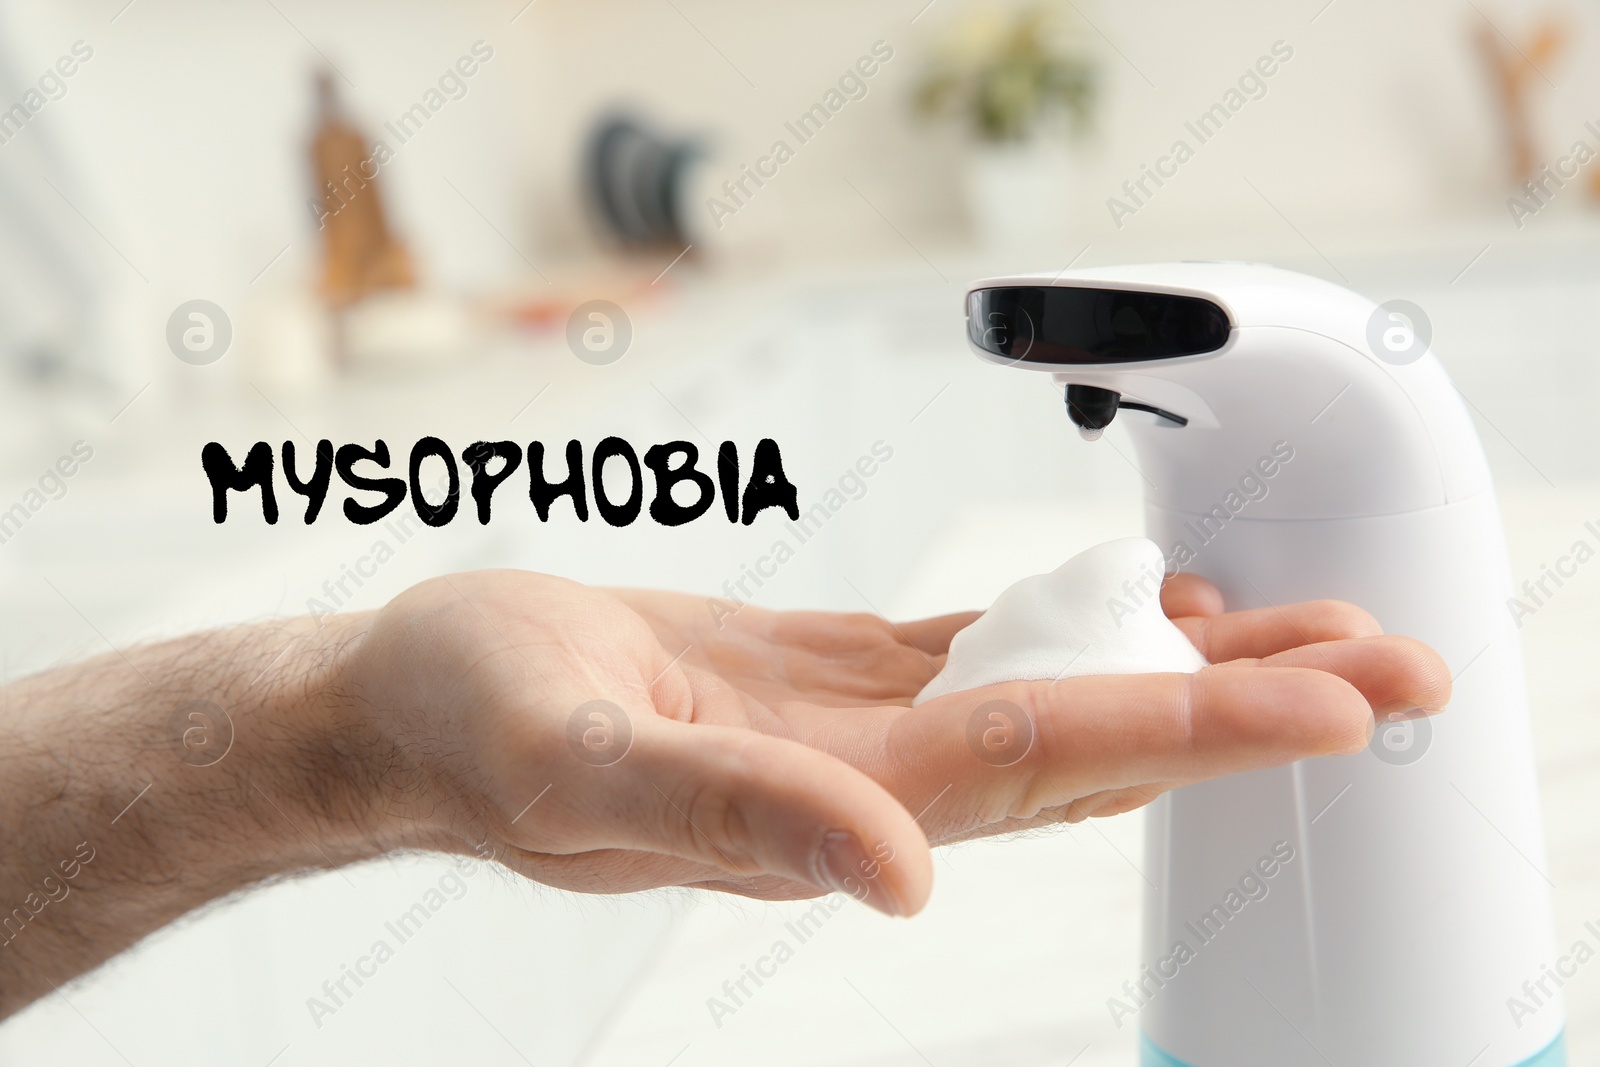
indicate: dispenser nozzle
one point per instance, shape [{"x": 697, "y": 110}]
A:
[{"x": 1091, "y": 409}]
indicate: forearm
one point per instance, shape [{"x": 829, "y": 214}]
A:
[{"x": 141, "y": 785}]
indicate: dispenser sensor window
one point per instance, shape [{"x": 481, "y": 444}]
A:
[{"x": 1074, "y": 326}]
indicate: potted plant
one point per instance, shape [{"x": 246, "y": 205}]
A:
[{"x": 1023, "y": 88}]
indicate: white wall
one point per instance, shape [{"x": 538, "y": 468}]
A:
[{"x": 189, "y": 124}]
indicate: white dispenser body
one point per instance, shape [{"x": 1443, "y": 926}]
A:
[{"x": 1416, "y": 903}]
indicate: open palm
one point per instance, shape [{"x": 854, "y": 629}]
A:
[{"x": 776, "y": 754}]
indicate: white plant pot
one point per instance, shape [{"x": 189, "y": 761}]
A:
[{"x": 1021, "y": 196}]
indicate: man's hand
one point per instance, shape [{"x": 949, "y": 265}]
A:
[{"x": 615, "y": 741}]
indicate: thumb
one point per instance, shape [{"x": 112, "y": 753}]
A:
[{"x": 751, "y": 804}]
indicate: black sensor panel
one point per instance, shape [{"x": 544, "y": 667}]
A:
[{"x": 1074, "y": 326}]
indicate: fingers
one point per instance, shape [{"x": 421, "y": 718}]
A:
[
  {"x": 1091, "y": 734},
  {"x": 752, "y": 805},
  {"x": 933, "y": 635},
  {"x": 848, "y": 633},
  {"x": 1261, "y": 632},
  {"x": 1156, "y": 727},
  {"x": 1189, "y": 595},
  {"x": 1393, "y": 673},
  {"x": 852, "y": 659}
]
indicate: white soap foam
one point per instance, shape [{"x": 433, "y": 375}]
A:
[{"x": 1098, "y": 613}]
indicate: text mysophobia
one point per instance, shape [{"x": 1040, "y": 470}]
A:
[{"x": 491, "y": 463}]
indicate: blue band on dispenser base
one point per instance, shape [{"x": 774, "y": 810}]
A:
[
  {"x": 1554, "y": 1055},
  {"x": 1151, "y": 1056}
]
